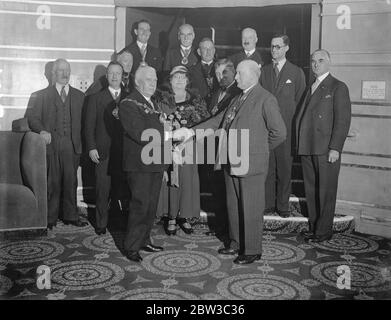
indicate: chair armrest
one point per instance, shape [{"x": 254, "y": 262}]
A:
[
  {"x": 33, "y": 168},
  {"x": 20, "y": 125}
]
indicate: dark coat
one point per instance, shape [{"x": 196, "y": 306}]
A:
[
  {"x": 41, "y": 114},
  {"x": 174, "y": 58},
  {"x": 101, "y": 127},
  {"x": 323, "y": 119},
  {"x": 216, "y": 107},
  {"x": 288, "y": 90},
  {"x": 153, "y": 57},
  {"x": 240, "y": 56},
  {"x": 135, "y": 121},
  {"x": 199, "y": 81}
]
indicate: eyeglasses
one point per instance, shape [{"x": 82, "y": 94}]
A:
[{"x": 277, "y": 47}]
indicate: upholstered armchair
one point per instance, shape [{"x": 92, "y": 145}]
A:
[{"x": 23, "y": 185}]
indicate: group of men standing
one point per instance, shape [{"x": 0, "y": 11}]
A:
[{"x": 284, "y": 118}]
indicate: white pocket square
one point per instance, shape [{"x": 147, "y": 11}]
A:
[
  {"x": 288, "y": 81},
  {"x": 328, "y": 96}
]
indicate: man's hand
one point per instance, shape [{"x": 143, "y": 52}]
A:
[
  {"x": 46, "y": 136},
  {"x": 94, "y": 155},
  {"x": 333, "y": 156},
  {"x": 182, "y": 134}
]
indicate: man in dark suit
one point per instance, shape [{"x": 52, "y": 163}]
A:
[
  {"x": 56, "y": 115},
  {"x": 254, "y": 112},
  {"x": 142, "y": 51},
  {"x": 103, "y": 131},
  {"x": 323, "y": 123},
  {"x": 225, "y": 74},
  {"x": 287, "y": 83},
  {"x": 228, "y": 89},
  {"x": 138, "y": 114},
  {"x": 125, "y": 59},
  {"x": 202, "y": 75},
  {"x": 184, "y": 54},
  {"x": 249, "y": 44}
]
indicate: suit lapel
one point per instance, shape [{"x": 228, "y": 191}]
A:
[
  {"x": 248, "y": 99},
  {"x": 284, "y": 74},
  {"x": 320, "y": 90}
]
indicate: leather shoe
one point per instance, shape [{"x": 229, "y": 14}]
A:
[
  {"x": 51, "y": 225},
  {"x": 228, "y": 251},
  {"x": 100, "y": 231},
  {"x": 247, "y": 259},
  {"x": 152, "y": 248},
  {"x": 307, "y": 234},
  {"x": 170, "y": 228},
  {"x": 133, "y": 256},
  {"x": 76, "y": 223},
  {"x": 185, "y": 226},
  {"x": 317, "y": 239},
  {"x": 283, "y": 214}
]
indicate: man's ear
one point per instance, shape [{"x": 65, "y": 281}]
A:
[
  {"x": 287, "y": 48},
  {"x": 199, "y": 52},
  {"x": 135, "y": 32}
]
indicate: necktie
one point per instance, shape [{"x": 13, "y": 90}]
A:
[
  {"x": 116, "y": 95},
  {"x": 248, "y": 54},
  {"x": 143, "y": 51},
  {"x": 275, "y": 68},
  {"x": 315, "y": 85},
  {"x": 232, "y": 112},
  {"x": 63, "y": 94},
  {"x": 221, "y": 95}
]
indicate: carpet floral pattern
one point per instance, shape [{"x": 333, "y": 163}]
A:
[{"x": 86, "y": 266}]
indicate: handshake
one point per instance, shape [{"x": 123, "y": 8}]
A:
[{"x": 180, "y": 135}]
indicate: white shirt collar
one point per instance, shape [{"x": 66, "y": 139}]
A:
[
  {"x": 59, "y": 87},
  {"x": 208, "y": 63},
  {"x": 248, "y": 89},
  {"x": 250, "y": 52},
  {"x": 322, "y": 77},
  {"x": 280, "y": 63},
  {"x": 113, "y": 91},
  {"x": 231, "y": 84},
  {"x": 185, "y": 48},
  {"x": 140, "y": 44}
]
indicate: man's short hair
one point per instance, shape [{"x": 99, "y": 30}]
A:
[
  {"x": 323, "y": 51},
  {"x": 225, "y": 62},
  {"x": 185, "y": 25},
  {"x": 56, "y": 63},
  {"x": 204, "y": 40},
  {"x": 140, "y": 70},
  {"x": 114, "y": 63},
  {"x": 143, "y": 21},
  {"x": 284, "y": 38}
]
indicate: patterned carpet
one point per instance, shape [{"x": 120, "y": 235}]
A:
[{"x": 86, "y": 266}]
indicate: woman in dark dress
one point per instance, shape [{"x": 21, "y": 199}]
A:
[{"x": 184, "y": 108}]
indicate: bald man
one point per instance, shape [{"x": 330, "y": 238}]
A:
[
  {"x": 184, "y": 54},
  {"x": 323, "y": 123},
  {"x": 137, "y": 114},
  {"x": 56, "y": 115},
  {"x": 255, "y": 110},
  {"x": 249, "y": 45}
]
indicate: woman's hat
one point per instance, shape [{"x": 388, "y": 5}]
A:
[{"x": 178, "y": 69}]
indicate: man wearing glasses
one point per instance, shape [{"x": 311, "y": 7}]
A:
[{"x": 286, "y": 82}]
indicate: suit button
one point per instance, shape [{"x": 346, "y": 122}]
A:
[{"x": 320, "y": 116}]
